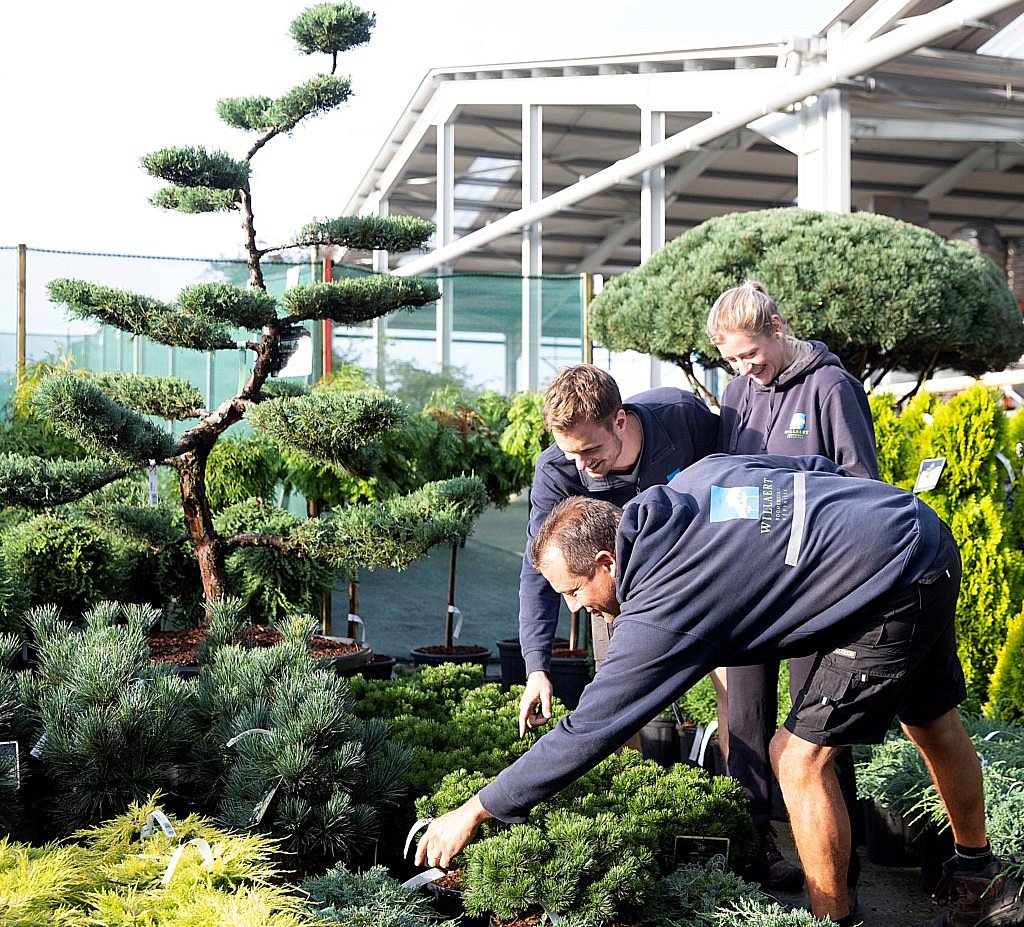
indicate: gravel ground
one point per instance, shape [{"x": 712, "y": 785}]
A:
[{"x": 888, "y": 896}]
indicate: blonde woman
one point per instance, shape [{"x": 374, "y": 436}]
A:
[{"x": 789, "y": 397}]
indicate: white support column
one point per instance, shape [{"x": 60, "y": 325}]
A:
[
  {"x": 532, "y": 177},
  {"x": 652, "y": 207},
  {"x": 823, "y": 163},
  {"x": 380, "y": 324},
  {"x": 445, "y": 236}
]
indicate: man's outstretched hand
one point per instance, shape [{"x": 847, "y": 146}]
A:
[
  {"x": 535, "y": 705},
  {"x": 448, "y": 834}
]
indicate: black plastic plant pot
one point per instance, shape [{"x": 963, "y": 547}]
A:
[
  {"x": 379, "y": 666},
  {"x": 570, "y": 673},
  {"x": 344, "y": 664},
  {"x": 659, "y": 741},
  {"x": 888, "y": 839},
  {"x": 513, "y": 667},
  {"x": 934, "y": 847},
  {"x": 436, "y": 656},
  {"x": 448, "y": 903}
]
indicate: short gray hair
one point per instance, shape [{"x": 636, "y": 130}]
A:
[{"x": 580, "y": 527}]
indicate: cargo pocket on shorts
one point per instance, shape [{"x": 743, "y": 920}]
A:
[{"x": 827, "y": 691}]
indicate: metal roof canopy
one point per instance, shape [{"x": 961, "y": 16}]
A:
[{"x": 940, "y": 125}]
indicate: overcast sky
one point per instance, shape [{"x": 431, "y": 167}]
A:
[{"x": 90, "y": 87}]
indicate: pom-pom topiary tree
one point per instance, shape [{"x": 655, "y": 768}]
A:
[
  {"x": 109, "y": 415},
  {"x": 882, "y": 294}
]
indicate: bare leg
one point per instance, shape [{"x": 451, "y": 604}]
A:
[
  {"x": 718, "y": 678},
  {"x": 956, "y": 771},
  {"x": 821, "y": 824}
]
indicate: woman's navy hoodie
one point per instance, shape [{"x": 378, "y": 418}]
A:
[
  {"x": 813, "y": 407},
  {"x": 737, "y": 560}
]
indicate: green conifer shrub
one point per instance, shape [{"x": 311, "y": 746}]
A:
[
  {"x": 881, "y": 293},
  {"x": 1006, "y": 688},
  {"x": 281, "y": 753},
  {"x": 271, "y": 581},
  {"x": 240, "y": 469},
  {"x": 110, "y": 722},
  {"x": 369, "y": 899},
  {"x": 56, "y": 557}
]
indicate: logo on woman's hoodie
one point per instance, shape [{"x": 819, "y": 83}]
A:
[{"x": 797, "y": 426}]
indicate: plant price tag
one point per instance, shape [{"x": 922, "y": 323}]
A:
[
  {"x": 264, "y": 803},
  {"x": 457, "y": 613},
  {"x": 928, "y": 474},
  {"x": 9, "y": 760},
  {"x": 157, "y": 821},
  {"x": 37, "y": 750},
  {"x": 154, "y": 496},
  {"x": 701, "y": 851},
  {"x": 354, "y": 621},
  {"x": 204, "y": 850},
  {"x": 422, "y": 878}
]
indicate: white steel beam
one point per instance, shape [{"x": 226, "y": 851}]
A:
[
  {"x": 876, "y": 20},
  {"x": 652, "y": 207},
  {"x": 814, "y": 80},
  {"x": 968, "y": 129},
  {"x": 695, "y": 164},
  {"x": 532, "y": 180},
  {"x": 445, "y": 222}
]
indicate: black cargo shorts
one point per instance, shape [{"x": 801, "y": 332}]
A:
[{"x": 899, "y": 660}]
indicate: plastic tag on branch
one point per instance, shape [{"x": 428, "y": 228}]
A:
[
  {"x": 154, "y": 495},
  {"x": 37, "y": 750},
  {"x": 928, "y": 474},
  {"x": 708, "y": 732},
  {"x": 429, "y": 875},
  {"x": 698, "y": 740},
  {"x": 10, "y": 761},
  {"x": 413, "y": 831},
  {"x": 554, "y": 918},
  {"x": 264, "y": 803},
  {"x": 253, "y": 730},
  {"x": 204, "y": 850},
  {"x": 157, "y": 821},
  {"x": 295, "y": 354},
  {"x": 454, "y": 610},
  {"x": 360, "y": 628}
]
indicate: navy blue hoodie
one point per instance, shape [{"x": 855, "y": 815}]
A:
[
  {"x": 677, "y": 430},
  {"x": 813, "y": 407},
  {"x": 737, "y": 560}
]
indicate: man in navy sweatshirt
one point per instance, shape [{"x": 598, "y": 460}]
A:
[
  {"x": 740, "y": 559},
  {"x": 606, "y": 449}
]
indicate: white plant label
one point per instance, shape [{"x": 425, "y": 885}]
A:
[
  {"x": 253, "y": 730},
  {"x": 37, "y": 750},
  {"x": 154, "y": 495},
  {"x": 264, "y": 803},
  {"x": 928, "y": 474},
  {"x": 453, "y": 610},
  {"x": 360, "y": 627},
  {"x": 413, "y": 831},
  {"x": 157, "y": 821},
  {"x": 430, "y": 875},
  {"x": 9, "y": 752},
  {"x": 204, "y": 850}
]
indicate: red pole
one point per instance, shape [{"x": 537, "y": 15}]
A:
[{"x": 328, "y": 333}]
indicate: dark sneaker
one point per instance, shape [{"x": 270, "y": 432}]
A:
[
  {"x": 783, "y": 876},
  {"x": 978, "y": 899}
]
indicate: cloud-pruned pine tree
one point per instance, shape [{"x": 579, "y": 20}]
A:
[{"x": 109, "y": 415}]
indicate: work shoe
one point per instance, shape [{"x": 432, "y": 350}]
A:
[
  {"x": 978, "y": 899},
  {"x": 782, "y": 874}
]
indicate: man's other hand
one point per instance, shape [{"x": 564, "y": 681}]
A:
[{"x": 535, "y": 705}]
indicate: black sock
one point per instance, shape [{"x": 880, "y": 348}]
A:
[{"x": 973, "y": 859}]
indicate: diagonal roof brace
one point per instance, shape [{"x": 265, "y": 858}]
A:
[{"x": 848, "y": 62}]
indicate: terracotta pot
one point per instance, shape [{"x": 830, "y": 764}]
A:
[{"x": 436, "y": 655}]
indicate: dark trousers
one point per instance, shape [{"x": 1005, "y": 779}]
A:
[{"x": 753, "y": 707}]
